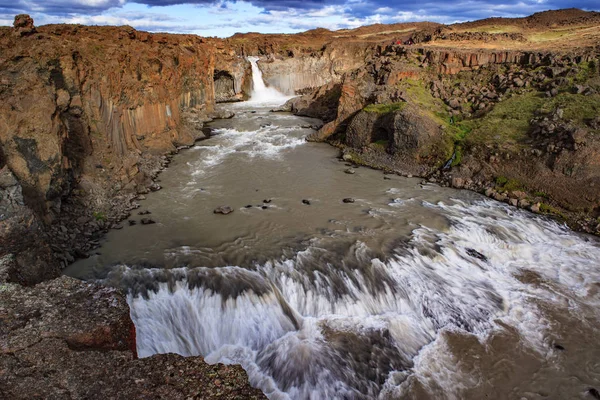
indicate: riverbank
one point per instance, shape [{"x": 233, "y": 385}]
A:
[{"x": 524, "y": 133}]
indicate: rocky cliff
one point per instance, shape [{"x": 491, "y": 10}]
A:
[
  {"x": 87, "y": 115},
  {"x": 88, "y": 112},
  {"x": 520, "y": 126},
  {"x": 71, "y": 340}
]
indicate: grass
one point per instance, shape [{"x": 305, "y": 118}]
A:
[
  {"x": 508, "y": 185},
  {"x": 384, "y": 108},
  {"x": 576, "y": 107},
  {"x": 547, "y": 36},
  {"x": 495, "y": 29},
  {"x": 508, "y": 122},
  {"x": 381, "y": 143},
  {"x": 548, "y": 209}
]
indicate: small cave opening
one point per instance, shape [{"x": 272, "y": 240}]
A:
[
  {"x": 2, "y": 157},
  {"x": 381, "y": 137},
  {"x": 224, "y": 86}
]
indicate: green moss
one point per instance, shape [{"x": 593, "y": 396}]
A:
[
  {"x": 508, "y": 185},
  {"x": 501, "y": 180},
  {"x": 548, "y": 209},
  {"x": 585, "y": 71},
  {"x": 416, "y": 93},
  {"x": 458, "y": 150},
  {"x": 381, "y": 143},
  {"x": 99, "y": 216},
  {"x": 384, "y": 108},
  {"x": 541, "y": 194}
]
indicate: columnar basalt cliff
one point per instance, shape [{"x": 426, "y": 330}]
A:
[
  {"x": 89, "y": 115},
  {"x": 88, "y": 112}
]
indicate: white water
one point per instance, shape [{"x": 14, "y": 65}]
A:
[
  {"x": 337, "y": 301},
  {"x": 282, "y": 320},
  {"x": 260, "y": 92}
]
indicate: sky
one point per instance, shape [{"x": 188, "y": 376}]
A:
[{"x": 223, "y": 18}]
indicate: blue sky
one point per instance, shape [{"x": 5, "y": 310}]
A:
[{"x": 225, "y": 17}]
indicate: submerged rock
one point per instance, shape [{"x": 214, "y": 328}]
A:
[
  {"x": 307, "y": 202},
  {"x": 223, "y": 210},
  {"x": 348, "y": 200},
  {"x": 147, "y": 221}
]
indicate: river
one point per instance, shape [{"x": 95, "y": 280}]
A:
[{"x": 410, "y": 291}]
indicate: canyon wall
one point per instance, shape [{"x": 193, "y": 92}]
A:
[
  {"x": 521, "y": 126},
  {"x": 86, "y": 116},
  {"x": 295, "y": 74}
]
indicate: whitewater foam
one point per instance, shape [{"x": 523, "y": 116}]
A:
[{"x": 291, "y": 321}]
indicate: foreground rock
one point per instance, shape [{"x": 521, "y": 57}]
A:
[
  {"x": 223, "y": 210},
  {"x": 66, "y": 339}
]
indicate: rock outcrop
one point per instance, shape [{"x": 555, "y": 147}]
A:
[
  {"x": 87, "y": 114},
  {"x": 71, "y": 340},
  {"x": 484, "y": 107}
]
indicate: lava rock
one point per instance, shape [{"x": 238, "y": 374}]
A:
[
  {"x": 348, "y": 200},
  {"x": 223, "y": 210},
  {"x": 307, "y": 202},
  {"x": 474, "y": 253},
  {"x": 264, "y": 207},
  {"x": 267, "y": 201}
]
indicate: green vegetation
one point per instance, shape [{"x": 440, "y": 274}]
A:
[
  {"x": 576, "y": 107},
  {"x": 508, "y": 122},
  {"x": 434, "y": 108},
  {"x": 586, "y": 70},
  {"x": 541, "y": 194},
  {"x": 381, "y": 143},
  {"x": 384, "y": 108},
  {"x": 99, "y": 216},
  {"x": 547, "y": 36},
  {"x": 548, "y": 209},
  {"x": 508, "y": 185},
  {"x": 458, "y": 151},
  {"x": 494, "y": 29}
]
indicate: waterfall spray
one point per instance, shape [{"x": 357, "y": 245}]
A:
[{"x": 260, "y": 92}]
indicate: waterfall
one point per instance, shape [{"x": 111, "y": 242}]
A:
[{"x": 260, "y": 92}]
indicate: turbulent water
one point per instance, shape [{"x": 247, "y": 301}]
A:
[{"x": 412, "y": 291}]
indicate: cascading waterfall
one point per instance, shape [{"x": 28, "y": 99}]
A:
[
  {"x": 260, "y": 92},
  {"x": 412, "y": 291},
  {"x": 308, "y": 330}
]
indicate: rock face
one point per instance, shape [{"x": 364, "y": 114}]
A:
[
  {"x": 71, "y": 340},
  {"x": 89, "y": 111},
  {"x": 408, "y": 134},
  {"x": 23, "y": 25},
  {"x": 232, "y": 75}
]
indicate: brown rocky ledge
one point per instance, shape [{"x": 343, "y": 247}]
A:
[{"x": 66, "y": 339}]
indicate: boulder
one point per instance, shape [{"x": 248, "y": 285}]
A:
[
  {"x": 53, "y": 332},
  {"x": 223, "y": 210},
  {"x": 23, "y": 25}
]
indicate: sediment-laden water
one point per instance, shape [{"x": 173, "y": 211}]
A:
[{"x": 412, "y": 291}]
